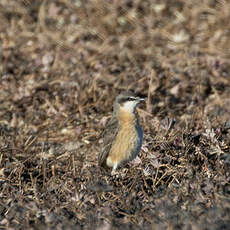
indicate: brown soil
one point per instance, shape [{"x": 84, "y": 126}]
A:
[{"x": 63, "y": 62}]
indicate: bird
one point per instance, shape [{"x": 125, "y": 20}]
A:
[{"x": 123, "y": 135}]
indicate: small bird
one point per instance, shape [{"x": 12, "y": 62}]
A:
[{"x": 123, "y": 135}]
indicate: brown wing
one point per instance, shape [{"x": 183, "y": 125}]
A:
[{"x": 108, "y": 136}]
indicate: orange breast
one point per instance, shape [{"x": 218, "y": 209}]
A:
[{"x": 125, "y": 141}]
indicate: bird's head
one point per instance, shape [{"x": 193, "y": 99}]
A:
[{"x": 127, "y": 101}]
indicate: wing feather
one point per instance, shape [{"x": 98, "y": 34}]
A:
[{"x": 108, "y": 135}]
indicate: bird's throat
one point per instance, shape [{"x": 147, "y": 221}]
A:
[{"x": 126, "y": 118}]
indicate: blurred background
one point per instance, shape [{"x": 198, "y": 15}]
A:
[{"x": 63, "y": 62}]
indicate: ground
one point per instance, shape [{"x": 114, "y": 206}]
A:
[{"x": 63, "y": 62}]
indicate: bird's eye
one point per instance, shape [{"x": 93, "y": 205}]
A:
[{"x": 131, "y": 98}]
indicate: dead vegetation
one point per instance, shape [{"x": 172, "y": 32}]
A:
[{"x": 63, "y": 62}]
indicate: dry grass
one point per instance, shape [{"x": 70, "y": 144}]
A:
[{"x": 63, "y": 62}]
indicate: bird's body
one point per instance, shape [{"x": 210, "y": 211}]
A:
[{"x": 122, "y": 137}]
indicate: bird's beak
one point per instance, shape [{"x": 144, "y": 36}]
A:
[{"x": 140, "y": 99}]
